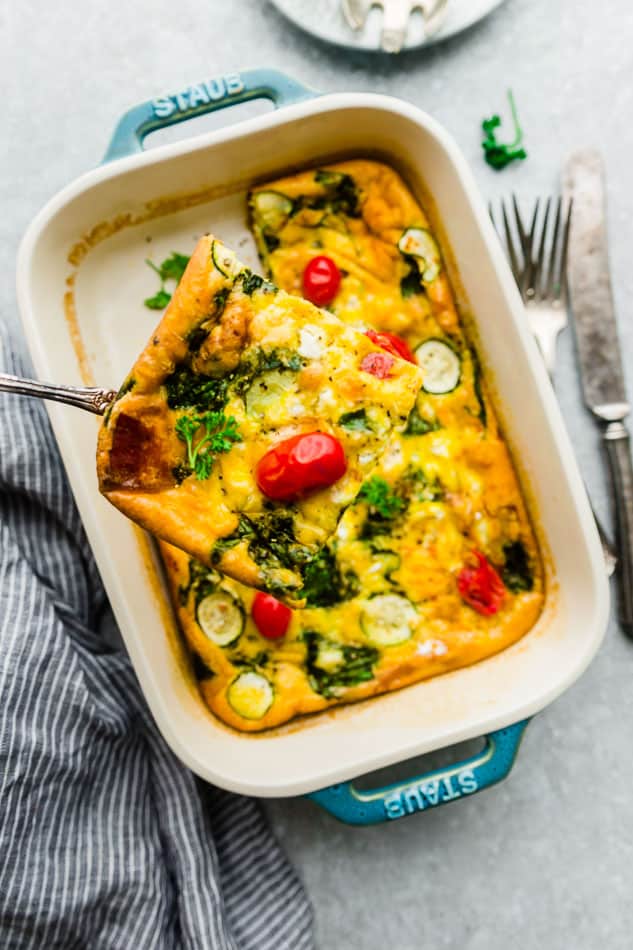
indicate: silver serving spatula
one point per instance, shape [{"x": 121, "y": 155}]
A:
[
  {"x": 90, "y": 398},
  {"x": 591, "y": 298}
]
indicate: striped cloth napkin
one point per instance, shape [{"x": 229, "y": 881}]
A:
[{"x": 106, "y": 839}]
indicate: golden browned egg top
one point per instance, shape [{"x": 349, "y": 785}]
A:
[{"x": 435, "y": 565}]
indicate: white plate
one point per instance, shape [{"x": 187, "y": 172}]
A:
[
  {"x": 110, "y": 282},
  {"x": 324, "y": 19}
]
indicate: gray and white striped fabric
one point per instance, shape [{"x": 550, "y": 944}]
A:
[{"x": 106, "y": 840}]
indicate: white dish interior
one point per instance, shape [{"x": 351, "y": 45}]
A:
[{"x": 111, "y": 283}]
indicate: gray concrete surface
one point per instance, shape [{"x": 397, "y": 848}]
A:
[{"x": 544, "y": 861}]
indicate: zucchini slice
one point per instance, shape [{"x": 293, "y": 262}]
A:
[
  {"x": 272, "y": 210},
  {"x": 419, "y": 243},
  {"x": 220, "y": 617},
  {"x": 389, "y": 562},
  {"x": 387, "y": 619},
  {"x": 267, "y": 390},
  {"x": 250, "y": 695},
  {"x": 223, "y": 259},
  {"x": 440, "y": 365}
]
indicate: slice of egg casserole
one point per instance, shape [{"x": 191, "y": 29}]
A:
[{"x": 230, "y": 439}]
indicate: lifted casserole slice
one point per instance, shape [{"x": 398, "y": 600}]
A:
[{"x": 229, "y": 438}]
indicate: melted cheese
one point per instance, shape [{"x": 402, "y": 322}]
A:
[{"x": 450, "y": 468}]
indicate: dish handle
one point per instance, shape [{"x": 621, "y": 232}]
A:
[
  {"x": 374, "y": 806},
  {"x": 199, "y": 99}
]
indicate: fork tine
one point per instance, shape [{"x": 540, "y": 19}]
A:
[
  {"x": 562, "y": 273},
  {"x": 550, "y": 287},
  {"x": 519, "y": 221},
  {"x": 514, "y": 262},
  {"x": 527, "y": 278},
  {"x": 538, "y": 268},
  {"x": 355, "y": 12}
]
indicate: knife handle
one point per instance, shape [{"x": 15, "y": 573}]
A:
[{"x": 618, "y": 446}]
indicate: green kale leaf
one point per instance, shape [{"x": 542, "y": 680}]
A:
[
  {"x": 417, "y": 425},
  {"x": 188, "y": 389},
  {"x": 355, "y": 421},
  {"x": 325, "y": 584},
  {"x": 517, "y": 573},
  {"x": 356, "y": 665}
]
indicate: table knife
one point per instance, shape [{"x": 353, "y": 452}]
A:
[{"x": 591, "y": 298}]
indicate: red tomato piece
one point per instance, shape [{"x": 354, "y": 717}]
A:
[
  {"x": 378, "y": 364},
  {"x": 481, "y": 587},
  {"x": 321, "y": 280},
  {"x": 300, "y": 465},
  {"x": 272, "y": 618},
  {"x": 392, "y": 344}
]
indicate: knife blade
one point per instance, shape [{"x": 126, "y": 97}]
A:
[
  {"x": 592, "y": 305},
  {"x": 590, "y": 287}
]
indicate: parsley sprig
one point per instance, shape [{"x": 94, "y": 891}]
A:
[
  {"x": 206, "y": 435},
  {"x": 172, "y": 268},
  {"x": 498, "y": 154},
  {"x": 377, "y": 493}
]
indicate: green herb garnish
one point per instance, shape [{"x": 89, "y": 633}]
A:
[
  {"x": 159, "y": 301},
  {"x": 172, "y": 268},
  {"x": 218, "y": 435},
  {"x": 498, "y": 154},
  {"x": 380, "y": 497}
]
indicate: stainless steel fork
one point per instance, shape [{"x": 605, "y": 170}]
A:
[
  {"x": 538, "y": 260},
  {"x": 539, "y": 271},
  {"x": 396, "y": 15}
]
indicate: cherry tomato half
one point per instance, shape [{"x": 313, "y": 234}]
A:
[
  {"x": 301, "y": 464},
  {"x": 321, "y": 280},
  {"x": 272, "y": 618},
  {"x": 392, "y": 344},
  {"x": 378, "y": 364},
  {"x": 481, "y": 587}
]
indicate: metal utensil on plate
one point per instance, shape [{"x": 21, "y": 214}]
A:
[
  {"x": 396, "y": 14},
  {"x": 538, "y": 265},
  {"x": 90, "y": 398},
  {"x": 598, "y": 348}
]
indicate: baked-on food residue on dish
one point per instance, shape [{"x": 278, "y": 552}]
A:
[{"x": 435, "y": 566}]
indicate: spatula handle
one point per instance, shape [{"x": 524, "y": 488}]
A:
[
  {"x": 618, "y": 446},
  {"x": 90, "y": 398}
]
